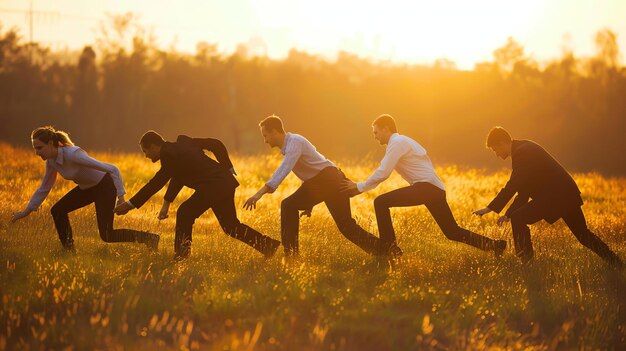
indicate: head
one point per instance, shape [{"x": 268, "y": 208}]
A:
[
  {"x": 499, "y": 140},
  {"x": 46, "y": 141},
  {"x": 151, "y": 143},
  {"x": 383, "y": 127},
  {"x": 272, "y": 131}
]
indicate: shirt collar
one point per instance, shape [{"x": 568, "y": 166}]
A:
[
  {"x": 284, "y": 147},
  {"x": 60, "y": 158},
  {"x": 393, "y": 137}
]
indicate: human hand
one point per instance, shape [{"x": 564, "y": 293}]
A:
[
  {"x": 163, "y": 214},
  {"x": 482, "y": 211},
  {"x": 503, "y": 219},
  {"x": 251, "y": 202},
  {"x": 122, "y": 208},
  {"x": 349, "y": 188},
  {"x": 19, "y": 215}
]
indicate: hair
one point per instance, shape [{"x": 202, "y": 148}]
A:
[
  {"x": 386, "y": 121},
  {"x": 272, "y": 122},
  {"x": 497, "y": 135},
  {"x": 47, "y": 133},
  {"x": 151, "y": 138}
]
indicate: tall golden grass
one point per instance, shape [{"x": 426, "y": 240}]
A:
[{"x": 443, "y": 295}]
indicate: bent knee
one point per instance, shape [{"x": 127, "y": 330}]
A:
[
  {"x": 381, "y": 202},
  {"x": 56, "y": 210},
  {"x": 286, "y": 204},
  {"x": 106, "y": 235},
  {"x": 290, "y": 206}
]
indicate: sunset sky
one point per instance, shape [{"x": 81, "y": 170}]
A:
[{"x": 415, "y": 31}]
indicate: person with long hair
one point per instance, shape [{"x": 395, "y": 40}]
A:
[{"x": 97, "y": 182}]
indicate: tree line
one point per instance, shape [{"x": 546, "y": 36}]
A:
[{"x": 108, "y": 94}]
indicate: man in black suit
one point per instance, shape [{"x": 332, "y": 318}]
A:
[
  {"x": 185, "y": 163},
  {"x": 545, "y": 190}
]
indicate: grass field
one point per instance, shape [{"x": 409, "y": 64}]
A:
[{"x": 443, "y": 295}]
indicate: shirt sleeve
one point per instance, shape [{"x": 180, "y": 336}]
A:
[
  {"x": 520, "y": 173},
  {"x": 44, "y": 188},
  {"x": 155, "y": 184},
  {"x": 172, "y": 190},
  {"x": 392, "y": 156},
  {"x": 80, "y": 157},
  {"x": 293, "y": 151}
]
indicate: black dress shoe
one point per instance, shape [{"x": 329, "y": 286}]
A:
[
  {"x": 526, "y": 258},
  {"x": 69, "y": 248},
  {"x": 498, "y": 247},
  {"x": 179, "y": 256},
  {"x": 271, "y": 249},
  {"x": 153, "y": 242},
  {"x": 395, "y": 252}
]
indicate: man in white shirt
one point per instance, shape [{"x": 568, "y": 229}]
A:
[
  {"x": 410, "y": 160},
  {"x": 322, "y": 181}
]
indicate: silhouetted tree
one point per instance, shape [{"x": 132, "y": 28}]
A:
[{"x": 125, "y": 84}]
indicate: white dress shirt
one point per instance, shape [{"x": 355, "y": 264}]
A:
[
  {"x": 74, "y": 164},
  {"x": 301, "y": 157},
  {"x": 409, "y": 159}
]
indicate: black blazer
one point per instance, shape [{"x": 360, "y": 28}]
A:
[
  {"x": 538, "y": 176},
  {"x": 186, "y": 164}
]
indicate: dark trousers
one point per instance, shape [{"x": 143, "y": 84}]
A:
[
  {"x": 435, "y": 201},
  {"x": 223, "y": 205},
  {"x": 324, "y": 187},
  {"x": 103, "y": 195},
  {"x": 574, "y": 218}
]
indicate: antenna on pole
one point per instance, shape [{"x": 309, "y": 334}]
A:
[{"x": 30, "y": 46}]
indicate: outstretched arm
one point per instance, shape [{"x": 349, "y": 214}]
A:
[
  {"x": 293, "y": 151},
  {"x": 251, "y": 202},
  {"x": 40, "y": 194},
  {"x": 155, "y": 184},
  {"x": 165, "y": 209},
  {"x": 172, "y": 190},
  {"x": 349, "y": 188},
  {"x": 483, "y": 211},
  {"x": 388, "y": 163},
  {"x": 519, "y": 175}
]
